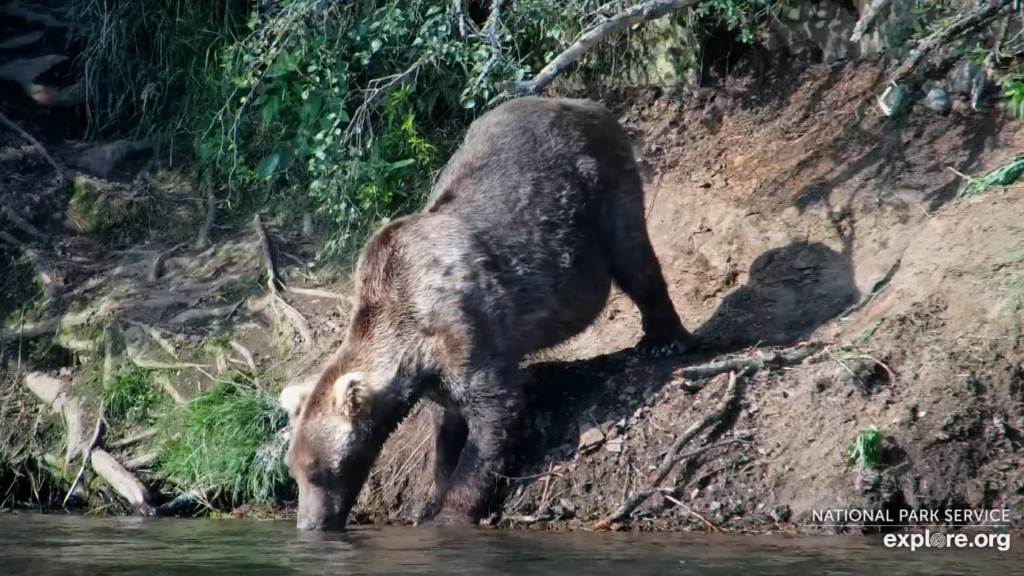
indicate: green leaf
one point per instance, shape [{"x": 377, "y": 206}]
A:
[
  {"x": 269, "y": 165},
  {"x": 375, "y": 44}
]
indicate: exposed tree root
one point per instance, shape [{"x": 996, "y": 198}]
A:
[
  {"x": 97, "y": 437},
  {"x": 203, "y": 313},
  {"x": 23, "y": 224},
  {"x": 275, "y": 285},
  {"x": 38, "y": 266},
  {"x": 636, "y": 14},
  {"x": 211, "y": 216},
  {"x": 707, "y": 371},
  {"x": 53, "y": 392},
  {"x": 141, "y": 461},
  {"x": 31, "y": 140},
  {"x": 675, "y": 456},
  {"x": 133, "y": 439},
  {"x": 155, "y": 335},
  {"x": 158, "y": 264},
  {"x": 317, "y": 293}
]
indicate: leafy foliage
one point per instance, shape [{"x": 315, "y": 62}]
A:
[{"x": 866, "y": 451}]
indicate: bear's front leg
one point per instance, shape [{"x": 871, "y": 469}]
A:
[
  {"x": 450, "y": 432},
  {"x": 493, "y": 412}
]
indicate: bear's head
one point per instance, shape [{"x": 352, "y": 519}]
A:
[{"x": 333, "y": 445}]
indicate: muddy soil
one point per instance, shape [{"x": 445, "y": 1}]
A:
[{"x": 785, "y": 208}]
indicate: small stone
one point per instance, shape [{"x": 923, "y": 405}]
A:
[
  {"x": 614, "y": 445},
  {"x": 936, "y": 99},
  {"x": 715, "y": 506},
  {"x": 590, "y": 438},
  {"x": 695, "y": 493}
]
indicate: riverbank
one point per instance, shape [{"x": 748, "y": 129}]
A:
[{"x": 785, "y": 208}]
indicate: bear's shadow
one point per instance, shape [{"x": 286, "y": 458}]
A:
[{"x": 791, "y": 292}]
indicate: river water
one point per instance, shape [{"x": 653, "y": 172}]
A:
[{"x": 73, "y": 545}]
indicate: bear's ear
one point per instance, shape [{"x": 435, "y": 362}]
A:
[
  {"x": 293, "y": 397},
  {"x": 352, "y": 395}
]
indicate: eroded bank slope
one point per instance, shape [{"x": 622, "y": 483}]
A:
[{"x": 783, "y": 210}]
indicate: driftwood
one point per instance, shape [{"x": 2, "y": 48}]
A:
[
  {"x": 97, "y": 437},
  {"x": 675, "y": 456},
  {"x": 867, "y": 19},
  {"x": 31, "y": 140},
  {"x": 985, "y": 12},
  {"x": 636, "y": 14},
  {"x": 122, "y": 481}
]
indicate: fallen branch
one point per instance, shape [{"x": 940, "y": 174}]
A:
[
  {"x": 122, "y": 481},
  {"x": 211, "y": 215},
  {"x": 493, "y": 21},
  {"x": 674, "y": 456},
  {"x": 867, "y": 19},
  {"x": 158, "y": 264},
  {"x": 39, "y": 146},
  {"x": 642, "y": 12},
  {"x": 133, "y": 439},
  {"x": 666, "y": 494},
  {"x": 989, "y": 10},
  {"x": 745, "y": 365},
  {"x": 97, "y": 436}
]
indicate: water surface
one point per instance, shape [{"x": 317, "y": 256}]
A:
[{"x": 60, "y": 544}]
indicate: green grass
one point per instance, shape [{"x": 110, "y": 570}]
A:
[
  {"x": 132, "y": 396},
  {"x": 866, "y": 451},
  {"x": 226, "y": 443}
]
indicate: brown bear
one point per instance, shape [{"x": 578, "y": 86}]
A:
[{"x": 540, "y": 209}]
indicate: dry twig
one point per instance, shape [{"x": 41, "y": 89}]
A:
[
  {"x": 97, "y": 437},
  {"x": 985, "y": 12},
  {"x": 674, "y": 456},
  {"x": 745, "y": 365}
]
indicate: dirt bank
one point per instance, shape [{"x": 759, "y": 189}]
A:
[{"x": 785, "y": 209}]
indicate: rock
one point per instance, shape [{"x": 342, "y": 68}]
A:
[
  {"x": 614, "y": 445},
  {"x": 936, "y": 99},
  {"x": 591, "y": 438},
  {"x": 780, "y": 513},
  {"x": 104, "y": 159},
  {"x": 715, "y": 506}
]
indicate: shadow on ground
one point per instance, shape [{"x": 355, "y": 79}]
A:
[{"x": 791, "y": 291}]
